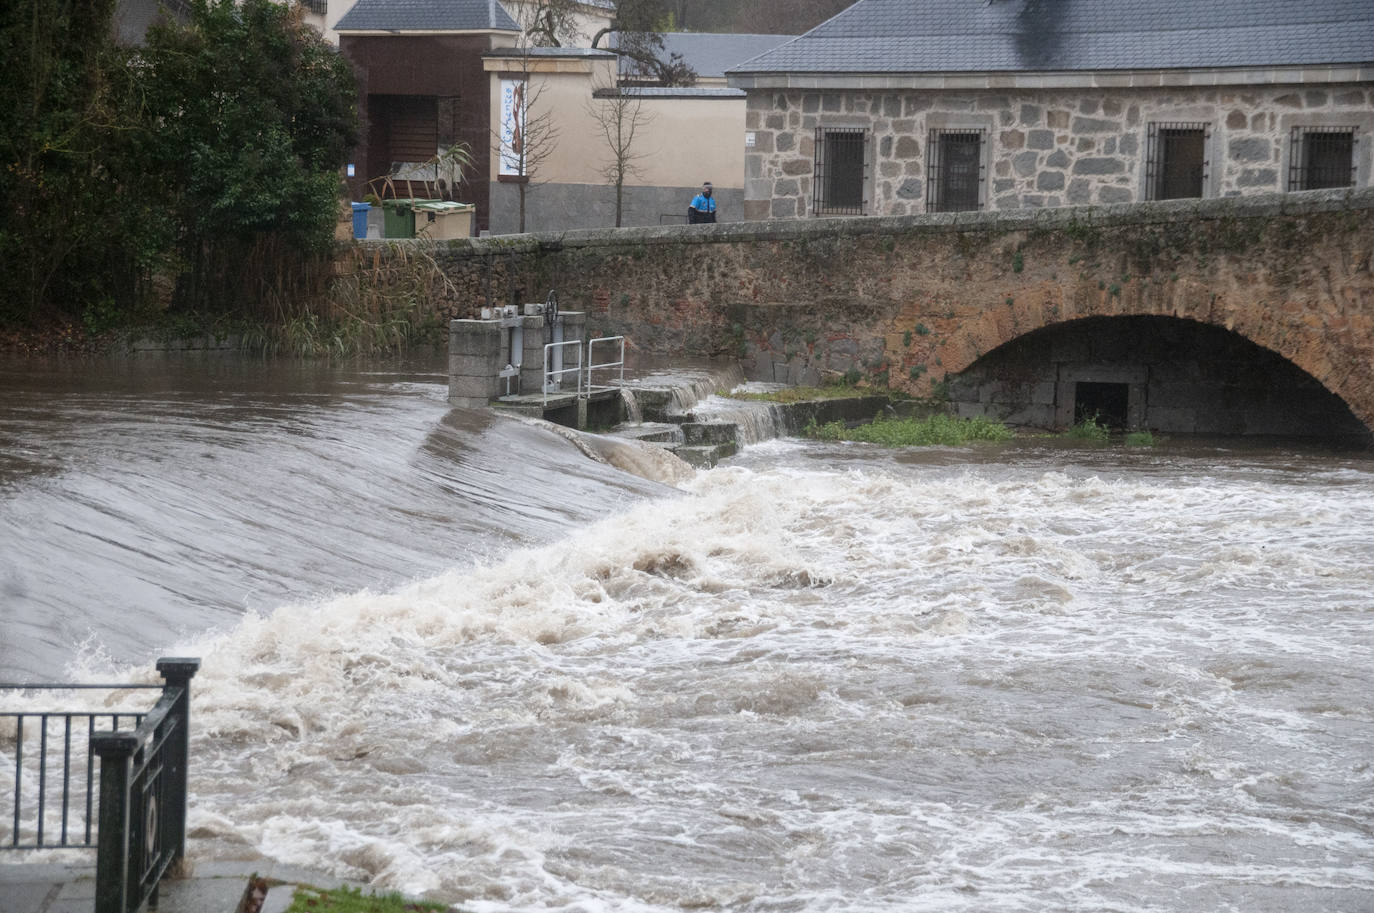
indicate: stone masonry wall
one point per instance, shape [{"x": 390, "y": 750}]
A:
[
  {"x": 912, "y": 301},
  {"x": 1044, "y": 148}
]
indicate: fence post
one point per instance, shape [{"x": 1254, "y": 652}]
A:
[
  {"x": 177, "y": 672},
  {"x": 116, "y": 753}
]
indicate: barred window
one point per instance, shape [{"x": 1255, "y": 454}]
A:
[
  {"x": 841, "y": 171},
  {"x": 955, "y": 172},
  {"x": 1321, "y": 157},
  {"x": 1176, "y": 163}
]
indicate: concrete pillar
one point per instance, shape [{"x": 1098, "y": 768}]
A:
[
  {"x": 477, "y": 351},
  {"x": 532, "y": 368}
]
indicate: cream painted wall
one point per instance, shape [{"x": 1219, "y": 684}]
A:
[{"x": 683, "y": 141}]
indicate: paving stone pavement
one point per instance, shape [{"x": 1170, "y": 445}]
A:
[{"x": 213, "y": 887}]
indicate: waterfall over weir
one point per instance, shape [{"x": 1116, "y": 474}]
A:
[
  {"x": 683, "y": 410},
  {"x": 447, "y": 654}
]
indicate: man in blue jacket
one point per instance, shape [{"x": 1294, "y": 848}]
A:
[{"x": 703, "y": 207}]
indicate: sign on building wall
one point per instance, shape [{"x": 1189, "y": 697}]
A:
[{"x": 514, "y": 107}]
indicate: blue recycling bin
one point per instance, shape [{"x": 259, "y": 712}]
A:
[{"x": 360, "y": 211}]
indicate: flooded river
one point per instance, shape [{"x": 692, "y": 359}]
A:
[{"x": 449, "y": 654}]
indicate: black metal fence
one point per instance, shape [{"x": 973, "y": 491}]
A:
[{"x": 120, "y": 790}]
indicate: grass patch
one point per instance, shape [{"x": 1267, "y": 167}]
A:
[
  {"x": 800, "y": 394},
  {"x": 352, "y": 900},
  {"x": 1089, "y": 429},
  {"x": 1140, "y": 439},
  {"x": 935, "y": 429}
]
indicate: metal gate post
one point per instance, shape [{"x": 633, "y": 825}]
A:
[
  {"x": 116, "y": 752},
  {"x": 177, "y": 672}
]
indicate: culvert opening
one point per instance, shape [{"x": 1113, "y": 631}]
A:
[{"x": 1105, "y": 403}]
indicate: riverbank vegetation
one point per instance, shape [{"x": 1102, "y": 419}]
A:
[
  {"x": 799, "y": 394},
  {"x": 191, "y": 180},
  {"x": 352, "y": 900},
  {"x": 914, "y": 432}
]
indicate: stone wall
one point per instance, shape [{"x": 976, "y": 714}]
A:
[
  {"x": 560, "y": 207},
  {"x": 1043, "y": 148},
  {"x": 914, "y": 301}
]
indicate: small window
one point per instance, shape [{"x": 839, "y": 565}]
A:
[
  {"x": 954, "y": 170},
  {"x": 841, "y": 171},
  {"x": 1176, "y": 165},
  {"x": 1322, "y": 157}
]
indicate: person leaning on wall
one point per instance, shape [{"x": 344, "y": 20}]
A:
[{"x": 703, "y": 206}]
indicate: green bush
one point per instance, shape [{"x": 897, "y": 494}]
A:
[
  {"x": 935, "y": 429},
  {"x": 1089, "y": 429}
]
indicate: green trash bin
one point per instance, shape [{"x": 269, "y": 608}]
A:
[{"x": 398, "y": 217}]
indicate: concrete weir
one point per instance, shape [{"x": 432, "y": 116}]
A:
[
  {"x": 506, "y": 360},
  {"x": 527, "y": 360}
]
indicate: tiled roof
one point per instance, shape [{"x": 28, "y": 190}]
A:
[
  {"x": 427, "y": 16},
  {"x": 711, "y": 53},
  {"x": 944, "y": 36}
]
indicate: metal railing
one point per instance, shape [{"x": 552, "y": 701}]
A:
[
  {"x": 593, "y": 365},
  {"x": 553, "y": 377},
  {"x": 137, "y": 825}
]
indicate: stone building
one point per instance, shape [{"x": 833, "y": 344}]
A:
[{"x": 896, "y": 107}]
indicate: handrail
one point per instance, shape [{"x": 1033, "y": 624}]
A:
[
  {"x": 552, "y": 377},
  {"x": 139, "y": 818},
  {"x": 618, "y": 363}
]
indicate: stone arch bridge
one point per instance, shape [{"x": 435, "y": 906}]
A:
[{"x": 1248, "y": 300}]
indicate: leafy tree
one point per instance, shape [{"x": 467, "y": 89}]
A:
[
  {"x": 252, "y": 115},
  {"x": 74, "y": 235}
]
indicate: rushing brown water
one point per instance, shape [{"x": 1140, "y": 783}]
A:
[{"x": 448, "y": 654}]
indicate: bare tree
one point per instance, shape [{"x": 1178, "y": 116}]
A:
[
  {"x": 526, "y": 135},
  {"x": 619, "y": 113},
  {"x": 548, "y": 23}
]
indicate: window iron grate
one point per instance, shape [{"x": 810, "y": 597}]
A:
[
  {"x": 841, "y": 171},
  {"x": 1321, "y": 157},
  {"x": 955, "y": 172},
  {"x": 1177, "y": 165}
]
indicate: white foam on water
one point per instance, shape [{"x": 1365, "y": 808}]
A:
[{"x": 887, "y": 687}]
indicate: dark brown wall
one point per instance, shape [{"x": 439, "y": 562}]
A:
[{"x": 448, "y": 67}]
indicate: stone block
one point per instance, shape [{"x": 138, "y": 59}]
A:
[
  {"x": 1251, "y": 149},
  {"x": 1115, "y": 194},
  {"x": 1258, "y": 177},
  {"x": 784, "y": 209},
  {"x": 1040, "y": 139},
  {"x": 1025, "y": 162},
  {"x": 1012, "y": 139},
  {"x": 1098, "y": 165},
  {"x": 908, "y": 147},
  {"x": 1057, "y": 159},
  {"x": 1050, "y": 180},
  {"x": 785, "y": 142},
  {"x": 1080, "y": 191},
  {"x": 911, "y": 189},
  {"x": 832, "y": 102},
  {"x": 786, "y": 187},
  {"x": 1057, "y": 120},
  {"x": 1031, "y": 115}
]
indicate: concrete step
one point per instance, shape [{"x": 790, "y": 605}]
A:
[
  {"x": 706, "y": 455},
  {"x": 650, "y": 432},
  {"x": 710, "y": 432}
]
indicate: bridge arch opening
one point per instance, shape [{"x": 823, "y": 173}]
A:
[{"x": 1162, "y": 374}]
